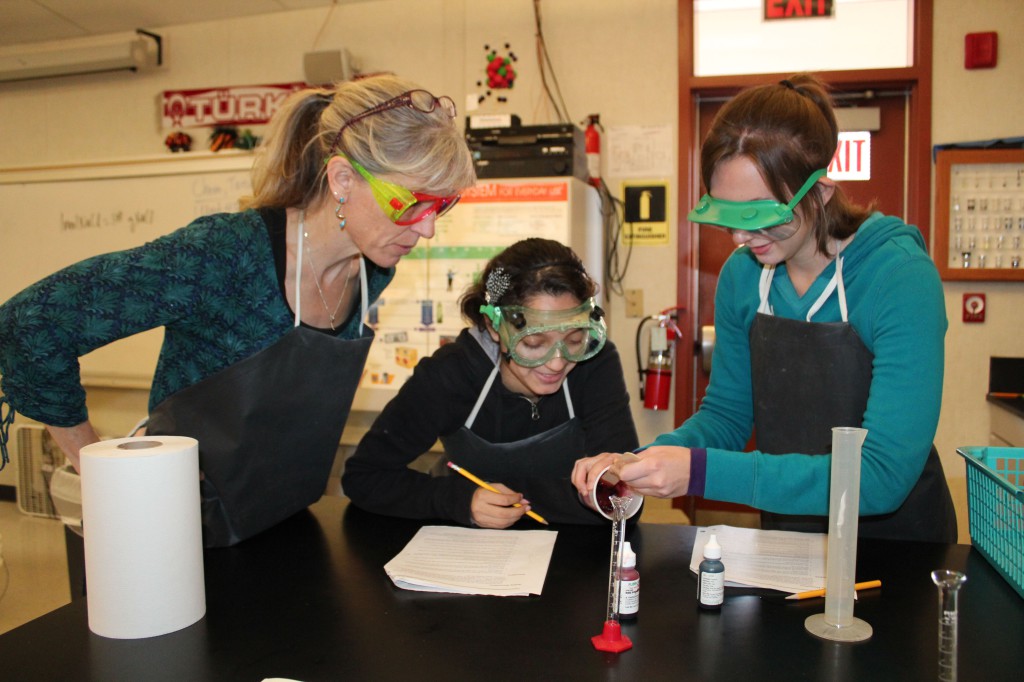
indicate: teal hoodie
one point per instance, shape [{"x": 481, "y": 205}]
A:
[{"x": 896, "y": 305}]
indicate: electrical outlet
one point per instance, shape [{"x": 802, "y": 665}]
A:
[{"x": 634, "y": 302}]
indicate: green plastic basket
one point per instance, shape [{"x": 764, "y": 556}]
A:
[{"x": 995, "y": 502}]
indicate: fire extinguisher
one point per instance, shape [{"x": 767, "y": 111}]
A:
[
  {"x": 592, "y": 138},
  {"x": 656, "y": 379}
]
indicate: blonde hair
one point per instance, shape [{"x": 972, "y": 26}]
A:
[{"x": 290, "y": 168}]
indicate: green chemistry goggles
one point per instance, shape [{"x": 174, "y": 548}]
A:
[
  {"x": 533, "y": 337},
  {"x": 769, "y": 218}
]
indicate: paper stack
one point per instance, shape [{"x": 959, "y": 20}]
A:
[
  {"x": 772, "y": 559},
  {"x": 502, "y": 563}
]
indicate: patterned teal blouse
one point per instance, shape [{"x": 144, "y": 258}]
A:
[{"x": 216, "y": 286}]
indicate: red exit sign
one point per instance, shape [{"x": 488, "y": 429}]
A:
[
  {"x": 852, "y": 160},
  {"x": 796, "y": 9}
]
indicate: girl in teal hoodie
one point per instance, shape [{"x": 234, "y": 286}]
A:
[{"x": 827, "y": 314}]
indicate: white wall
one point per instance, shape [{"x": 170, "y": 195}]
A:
[
  {"x": 973, "y": 105},
  {"x": 614, "y": 58}
]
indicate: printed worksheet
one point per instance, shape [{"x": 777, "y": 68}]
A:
[{"x": 504, "y": 563}]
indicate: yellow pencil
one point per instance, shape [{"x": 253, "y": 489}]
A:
[
  {"x": 821, "y": 593},
  {"x": 488, "y": 486}
]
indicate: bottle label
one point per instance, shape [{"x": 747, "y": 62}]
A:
[
  {"x": 711, "y": 588},
  {"x": 629, "y": 596}
]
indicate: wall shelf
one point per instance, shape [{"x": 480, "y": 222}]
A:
[{"x": 979, "y": 214}]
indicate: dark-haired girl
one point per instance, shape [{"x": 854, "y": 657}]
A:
[
  {"x": 826, "y": 314},
  {"x": 516, "y": 399}
]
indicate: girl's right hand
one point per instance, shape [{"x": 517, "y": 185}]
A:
[{"x": 495, "y": 510}]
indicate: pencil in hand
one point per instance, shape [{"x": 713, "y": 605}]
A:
[{"x": 487, "y": 486}]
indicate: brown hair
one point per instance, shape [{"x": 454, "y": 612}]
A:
[
  {"x": 290, "y": 172},
  {"x": 534, "y": 266},
  {"x": 788, "y": 130}
]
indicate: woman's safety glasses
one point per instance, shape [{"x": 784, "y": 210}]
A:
[
  {"x": 767, "y": 217},
  {"x": 400, "y": 204},
  {"x": 533, "y": 337}
]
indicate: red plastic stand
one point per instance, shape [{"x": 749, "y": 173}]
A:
[{"x": 611, "y": 638}]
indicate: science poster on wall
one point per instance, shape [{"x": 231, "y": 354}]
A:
[{"x": 419, "y": 311}]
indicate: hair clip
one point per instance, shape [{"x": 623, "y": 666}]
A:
[{"x": 498, "y": 283}]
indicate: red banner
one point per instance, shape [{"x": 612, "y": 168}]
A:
[
  {"x": 229, "y": 106},
  {"x": 797, "y": 9}
]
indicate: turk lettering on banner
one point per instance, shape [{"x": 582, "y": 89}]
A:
[{"x": 228, "y": 106}]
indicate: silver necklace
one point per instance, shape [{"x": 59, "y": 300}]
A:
[{"x": 316, "y": 277}]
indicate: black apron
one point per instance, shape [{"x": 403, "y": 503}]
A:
[
  {"x": 268, "y": 426},
  {"x": 542, "y": 462},
  {"x": 810, "y": 377}
]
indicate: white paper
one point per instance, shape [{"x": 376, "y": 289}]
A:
[
  {"x": 504, "y": 563},
  {"x": 143, "y": 535},
  {"x": 640, "y": 151},
  {"x": 779, "y": 560}
]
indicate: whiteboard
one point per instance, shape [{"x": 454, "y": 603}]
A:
[{"x": 54, "y": 216}]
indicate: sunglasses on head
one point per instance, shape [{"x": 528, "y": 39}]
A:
[{"x": 420, "y": 100}]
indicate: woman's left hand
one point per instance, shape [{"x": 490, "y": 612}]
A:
[{"x": 660, "y": 471}]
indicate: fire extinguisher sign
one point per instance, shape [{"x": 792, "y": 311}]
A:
[{"x": 645, "y": 213}]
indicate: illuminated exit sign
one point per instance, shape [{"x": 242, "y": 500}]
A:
[
  {"x": 852, "y": 160},
  {"x": 797, "y": 9}
]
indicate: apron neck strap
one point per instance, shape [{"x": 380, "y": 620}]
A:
[
  {"x": 835, "y": 283},
  {"x": 298, "y": 267},
  {"x": 765, "y": 285},
  {"x": 568, "y": 400},
  {"x": 487, "y": 389},
  {"x": 483, "y": 394},
  {"x": 364, "y": 289}
]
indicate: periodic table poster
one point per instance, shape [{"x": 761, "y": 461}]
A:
[{"x": 419, "y": 311}]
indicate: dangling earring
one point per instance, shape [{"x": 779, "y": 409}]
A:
[{"x": 339, "y": 214}]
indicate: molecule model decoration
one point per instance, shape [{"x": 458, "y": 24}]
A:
[{"x": 501, "y": 74}]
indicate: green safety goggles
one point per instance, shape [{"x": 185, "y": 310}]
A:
[
  {"x": 768, "y": 217},
  {"x": 533, "y": 337}
]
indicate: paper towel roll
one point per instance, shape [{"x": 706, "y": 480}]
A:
[{"x": 143, "y": 535}]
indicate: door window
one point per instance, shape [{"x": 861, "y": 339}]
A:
[{"x": 733, "y": 37}]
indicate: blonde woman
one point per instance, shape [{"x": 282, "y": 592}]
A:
[{"x": 263, "y": 309}]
